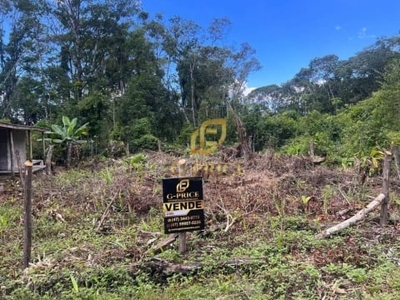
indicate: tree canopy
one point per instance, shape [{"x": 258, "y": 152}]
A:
[{"x": 141, "y": 80}]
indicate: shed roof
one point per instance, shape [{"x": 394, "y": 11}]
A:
[{"x": 22, "y": 127}]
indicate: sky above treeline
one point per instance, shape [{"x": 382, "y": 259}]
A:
[{"x": 288, "y": 34}]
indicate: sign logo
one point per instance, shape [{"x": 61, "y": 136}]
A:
[
  {"x": 208, "y": 128},
  {"x": 182, "y": 185}
]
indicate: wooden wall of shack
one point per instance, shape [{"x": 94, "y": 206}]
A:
[{"x": 16, "y": 146}]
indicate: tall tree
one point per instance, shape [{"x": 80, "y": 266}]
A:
[
  {"x": 21, "y": 57},
  {"x": 240, "y": 64},
  {"x": 89, "y": 35}
]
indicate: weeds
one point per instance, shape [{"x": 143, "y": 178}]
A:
[{"x": 269, "y": 252}]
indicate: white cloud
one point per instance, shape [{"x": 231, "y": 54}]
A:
[
  {"x": 241, "y": 89},
  {"x": 362, "y": 34},
  {"x": 248, "y": 90},
  {"x": 338, "y": 27}
]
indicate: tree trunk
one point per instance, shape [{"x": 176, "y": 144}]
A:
[
  {"x": 192, "y": 95},
  {"x": 69, "y": 155},
  {"x": 48, "y": 159},
  {"x": 396, "y": 155},
  {"x": 385, "y": 188},
  {"x": 245, "y": 143}
]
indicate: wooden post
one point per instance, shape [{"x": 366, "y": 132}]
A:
[
  {"x": 395, "y": 150},
  {"x": 28, "y": 214},
  {"x": 385, "y": 188},
  {"x": 12, "y": 168},
  {"x": 182, "y": 235}
]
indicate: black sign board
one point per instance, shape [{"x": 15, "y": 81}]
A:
[{"x": 183, "y": 204}]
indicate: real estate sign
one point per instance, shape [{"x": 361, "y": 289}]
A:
[{"x": 183, "y": 204}]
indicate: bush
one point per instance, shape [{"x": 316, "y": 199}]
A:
[{"x": 147, "y": 141}]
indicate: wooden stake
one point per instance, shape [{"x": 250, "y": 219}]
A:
[
  {"x": 385, "y": 188},
  {"x": 182, "y": 235},
  {"x": 28, "y": 214},
  {"x": 182, "y": 242}
]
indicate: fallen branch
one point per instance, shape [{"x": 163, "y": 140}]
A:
[
  {"x": 105, "y": 213},
  {"x": 164, "y": 243},
  {"x": 229, "y": 219},
  {"x": 356, "y": 218},
  {"x": 344, "y": 196},
  {"x": 343, "y": 212}
]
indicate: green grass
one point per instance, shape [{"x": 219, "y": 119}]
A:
[{"x": 268, "y": 255}]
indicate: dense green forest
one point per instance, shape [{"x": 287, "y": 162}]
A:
[{"x": 137, "y": 80}]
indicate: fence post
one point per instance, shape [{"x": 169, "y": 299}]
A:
[
  {"x": 28, "y": 214},
  {"x": 385, "y": 188}
]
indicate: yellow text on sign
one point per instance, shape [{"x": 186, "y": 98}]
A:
[
  {"x": 207, "y": 127},
  {"x": 180, "y": 196}
]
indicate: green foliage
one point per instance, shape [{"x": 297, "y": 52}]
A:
[
  {"x": 147, "y": 141},
  {"x": 185, "y": 133},
  {"x": 297, "y": 146},
  {"x": 273, "y": 257},
  {"x": 279, "y": 129},
  {"x": 74, "y": 284},
  {"x": 66, "y": 135},
  {"x": 94, "y": 109},
  {"x": 67, "y": 132},
  {"x": 8, "y": 217},
  {"x": 137, "y": 161}
]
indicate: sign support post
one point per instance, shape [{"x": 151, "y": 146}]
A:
[
  {"x": 183, "y": 205},
  {"x": 182, "y": 235}
]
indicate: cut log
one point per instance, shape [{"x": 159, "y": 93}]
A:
[{"x": 356, "y": 218}]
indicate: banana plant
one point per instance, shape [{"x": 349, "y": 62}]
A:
[
  {"x": 372, "y": 163},
  {"x": 67, "y": 134}
]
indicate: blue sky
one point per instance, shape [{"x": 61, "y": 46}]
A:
[{"x": 287, "y": 34}]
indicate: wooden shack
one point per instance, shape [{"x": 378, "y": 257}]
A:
[{"x": 16, "y": 147}]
